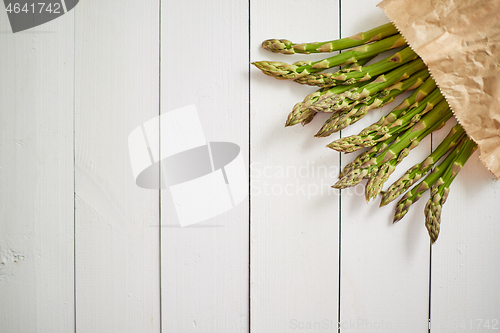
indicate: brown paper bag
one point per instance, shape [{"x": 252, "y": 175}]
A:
[{"x": 459, "y": 40}]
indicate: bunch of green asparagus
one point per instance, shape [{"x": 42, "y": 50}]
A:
[{"x": 349, "y": 93}]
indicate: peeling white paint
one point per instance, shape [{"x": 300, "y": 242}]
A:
[{"x": 9, "y": 259}]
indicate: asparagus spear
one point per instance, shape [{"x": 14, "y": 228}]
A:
[
  {"x": 349, "y": 68},
  {"x": 427, "y": 87},
  {"x": 302, "y": 110},
  {"x": 340, "y": 120},
  {"x": 392, "y": 124},
  {"x": 330, "y": 103},
  {"x": 366, "y": 156},
  {"x": 308, "y": 118},
  {"x": 375, "y": 183},
  {"x": 379, "y": 168},
  {"x": 419, "y": 170},
  {"x": 440, "y": 190},
  {"x": 365, "y": 73},
  {"x": 355, "y": 66},
  {"x": 281, "y": 70},
  {"x": 416, "y": 192},
  {"x": 287, "y": 47},
  {"x": 348, "y": 116}
]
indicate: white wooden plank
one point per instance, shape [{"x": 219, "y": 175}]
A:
[
  {"x": 294, "y": 217},
  {"x": 117, "y": 223},
  {"x": 384, "y": 267},
  {"x": 36, "y": 177},
  {"x": 465, "y": 294},
  {"x": 205, "y": 265}
]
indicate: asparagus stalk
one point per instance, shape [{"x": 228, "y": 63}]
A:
[
  {"x": 427, "y": 87},
  {"x": 281, "y": 70},
  {"x": 364, "y": 73},
  {"x": 308, "y": 119},
  {"x": 379, "y": 176},
  {"x": 415, "y": 173},
  {"x": 287, "y": 47},
  {"x": 366, "y": 156},
  {"x": 341, "y": 120},
  {"x": 379, "y": 168},
  {"x": 376, "y": 182},
  {"x": 392, "y": 124},
  {"x": 330, "y": 103},
  {"x": 441, "y": 189},
  {"x": 352, "y": 91},
  {"x": 355, "y": 66},
  {"x": 416, "y": 192},
  {"x": 302, "y": 111}
]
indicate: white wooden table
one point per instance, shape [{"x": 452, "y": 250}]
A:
[{"x": 82, "y": 248}]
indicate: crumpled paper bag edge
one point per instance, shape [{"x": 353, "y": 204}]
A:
[{"x": 445, "y": 97}]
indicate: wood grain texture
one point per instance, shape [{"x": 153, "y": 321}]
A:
[
  {"x": 36, "y": 177},
  {"x": 294, "y": 218},
  {"x": 384, "y": 267},
  {"x": 117, "y": 223},
  {"x": 205, "y": 265}
]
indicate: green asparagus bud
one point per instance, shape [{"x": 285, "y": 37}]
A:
[
  {"x": 281, "y": 70},
  {"x": 441, "y": 189},
  {"x": 287, "y": 47}
]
